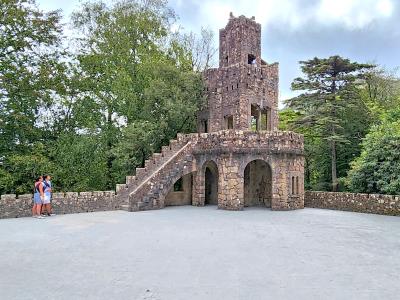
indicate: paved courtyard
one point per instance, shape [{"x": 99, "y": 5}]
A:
[{"x": 201, "y": 253}]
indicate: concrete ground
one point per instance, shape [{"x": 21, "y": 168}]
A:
[{"x": 201, "y": 253}]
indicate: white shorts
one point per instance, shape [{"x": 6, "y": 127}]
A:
[{"x": 46, "y": 199}]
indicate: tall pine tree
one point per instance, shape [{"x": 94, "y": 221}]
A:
[{"x": 329, "y": 89}]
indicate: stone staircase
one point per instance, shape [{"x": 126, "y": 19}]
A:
[{"x": 148, "y": 187}]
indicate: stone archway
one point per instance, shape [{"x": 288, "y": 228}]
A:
[
  {"x": 211, "y": 183},
  {"x": 257, "y": 184}
]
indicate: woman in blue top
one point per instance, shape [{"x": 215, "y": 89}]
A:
[{"x": 38, "y": 197}]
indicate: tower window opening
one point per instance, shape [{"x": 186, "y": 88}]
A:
[
  {"x": 232, "y": 87},
  {"x": 251, "y": 59},
  {"x": 204, "y": 126},
  {"x": 237, "y": 85},
  {"x": 229, "y": 122},
  {"x": 255, "y": 118},
  {"x": 292, "y": 185},
  {"x": 226, "y": 59}
]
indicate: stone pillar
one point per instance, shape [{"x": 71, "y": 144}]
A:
[
  {"x": 198, "y": 189},
  {"x": 280, "y": 186},
  {"x": 230, "y": 184},
  {"x": 244, "y": 113},
  {"x": 259, "y": 120}
]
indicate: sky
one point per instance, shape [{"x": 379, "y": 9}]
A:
[{"x": 294, "y": 30}]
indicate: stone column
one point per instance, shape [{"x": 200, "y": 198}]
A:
[
  {"x": 198, "y": 189},
  {"x": 243, "y": 113},
  {"x": 259, "y": 120},
  {"x": 230, "y": 184},
  {"x": 280, "y": 185}
]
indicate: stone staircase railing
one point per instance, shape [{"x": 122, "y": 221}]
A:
[
  {"x": 152, "y": 192},
  {"x": 153, "y": 166}
]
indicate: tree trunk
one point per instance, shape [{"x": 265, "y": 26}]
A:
[
  {"x": 110, "y": 157},
  {"x": 334, "y": 173}
]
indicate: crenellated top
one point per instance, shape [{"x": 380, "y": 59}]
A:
[{"x": 240, "y": 41}]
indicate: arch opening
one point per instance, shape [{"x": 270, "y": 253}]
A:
[
  {"x": 257, "y": 184},
  {"x": 211, "y": 183}
]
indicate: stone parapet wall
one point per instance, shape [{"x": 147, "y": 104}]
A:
[
  {"x": 356, "y": 202},
  {"x": 12, "y": 206},
  {"x": 250, "y": 141}
]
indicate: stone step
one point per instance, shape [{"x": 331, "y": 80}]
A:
[
  {"x": 148, "y": 162},
  {"x": 180, "y": 137},
  {"x": 157, "y": 157},
  {"x": 174, "y": 145},
  {"x": 140, "y": 172},
  {"x": 166, "y": 151},
  {"x": 120, "y": 187},
  {"x": 130, "y": 179}
]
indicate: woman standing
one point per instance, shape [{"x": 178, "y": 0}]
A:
[{"x": 38, "y": 197}]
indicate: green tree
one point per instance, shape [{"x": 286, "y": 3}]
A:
[
  {"x": 380, "y": 92},
  {"x": 377, "y": 169},
  {"x": 120, "y": 46},
  {"x": 170, "y": 105},
  {"x": 31, "y": 71},
  {"x": 80, "y": 162},
  {"x": 329, "y": 87},
  {"x": 19, "y": 170},
  {"x": 90, "y": 117}
]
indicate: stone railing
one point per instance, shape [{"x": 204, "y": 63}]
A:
[
  {"x": 152, "y": 165},
  {"x": 239, "y": 140},
  {"x": 152, "y": 192},
  {"x": 12, "y": 206},
  {"x": 356, "y": 202}
]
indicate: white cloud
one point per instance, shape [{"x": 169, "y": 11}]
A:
[
  {"x": 352, "y": 14},
  {"x": 385, "y": 7}
]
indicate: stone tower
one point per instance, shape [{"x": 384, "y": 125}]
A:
[
  {"x": 238, "y": 158},
  {"x": 243, "y": 92}
]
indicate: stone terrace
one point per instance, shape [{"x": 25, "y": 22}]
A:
[{"x": 201, "y": 253}]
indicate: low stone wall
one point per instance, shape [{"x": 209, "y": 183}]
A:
[
  {"x": 365, "y": 203},
  {"x": 68, "y": 203}
]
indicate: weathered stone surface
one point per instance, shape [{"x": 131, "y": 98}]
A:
[
  {"x": 13, "y": 207},
  {"x": 356, "y": 202},
  {"x": 239, "y": 85}
]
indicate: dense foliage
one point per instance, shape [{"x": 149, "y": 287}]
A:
[
  {"x": 352, "y": 119},
  {"x": 91, "y": 115},
  {"x": 377, "y": 170}
]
